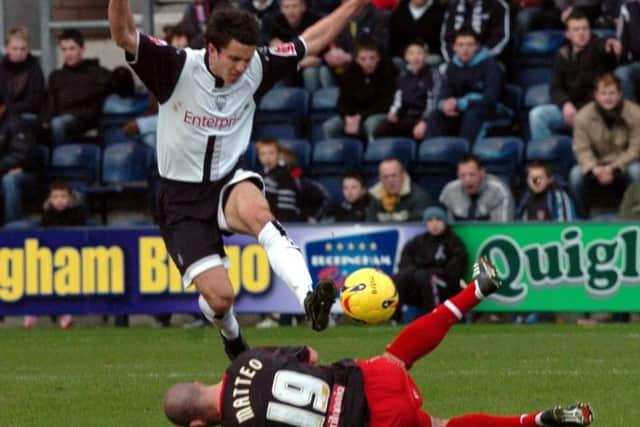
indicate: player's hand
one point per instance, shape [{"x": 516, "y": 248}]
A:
[
  {"x": 313, "y": 355},
  {"x": 569, "y": 113},
  {"x": 420, "y": 130},
  {"x": 392, "y": 117}
]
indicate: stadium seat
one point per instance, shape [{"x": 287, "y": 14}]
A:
[
  {"x": 333, "y": 185},
  {"x": 379, "y": 149},
  {"x": 502, "y": 156},
  {"x": 119, "y": 119},
  {"x": 335, "y": 156},
  {"x": 557, "y": 151},
  {"x": 302, "y": 148},
  {"x": 508, "y": 111},
  {"x": 114, "y": 135},
  {"x": 76, "y": 163},
  {"x": 282, "y": 112},
  {"x": 543, "y": 42},
  {"x": 437, "y": 162},
  {"x": 604, "y": 33},
  {"x": 537, "y": 95},
  {"x": 251, "y": 158},
  {"x": 324, "y": 104},
  {"x": 125, "y": 166}
]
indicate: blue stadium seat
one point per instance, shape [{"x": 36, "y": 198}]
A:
[
  {"x": 508, "y": 111},
  {"x": 502, "y": 156},
  {"x": 251, "y": 158},
  {"x": 302, "y": 148},
  {"x": 437, "y": 162},
  {"x": 286, "y": 107},
  {"x": 537, "y": 95},
  {"x": 335, "y": 156},
  {"x": 275, "y": 130},
  {"x": 118, "y": 119},
  {"x": 379, "y": 149},
  {"x": 126, "y": 166},
  {"x": 543, "y": 42},
  {"x": 604, "y": 33},
  {"x": 333, "y": 185},
  {"x": 557, "y": 151},
  {"x": 76, "y": 163},
  {"x": 324, "y": 104},
  {"x": 527, "y": 76},
  {"x": 115, "y": 135}
]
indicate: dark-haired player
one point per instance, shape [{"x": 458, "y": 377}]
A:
[
  {"x": 207, "y": 101},
  {"x": 284, "y": 387}
]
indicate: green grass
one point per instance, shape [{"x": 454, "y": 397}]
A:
[{"x": 117, "y": 377}]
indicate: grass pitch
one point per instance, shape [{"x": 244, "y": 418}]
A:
[{"x": 117, "y": 377}]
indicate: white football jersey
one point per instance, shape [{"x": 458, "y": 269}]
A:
[{"x": 204, "y": 125}]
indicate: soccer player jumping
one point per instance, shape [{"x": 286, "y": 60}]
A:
[
  {"x": 207, "y": 102},
  {"x": 284, "y": 387}
]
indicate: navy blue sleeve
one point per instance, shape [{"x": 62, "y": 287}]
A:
[
  {"x": 278, "y": 62},
  {"x": 158, "y": 65}
]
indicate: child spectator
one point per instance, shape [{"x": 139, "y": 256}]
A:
[
  {"x": 63, "y": 208},
  {"x": 544, "y": 200},
  {"x": 418, "y": 88},
  {"x": 356, "y": 198}
]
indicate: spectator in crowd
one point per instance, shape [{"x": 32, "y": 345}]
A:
[
  {"x": 21, "y": 77},
  {"x": 489, "y": 19},
  {"x": 194, "y": 19},
  {"x": 606, "y": 142},
  {"x": 366, "y": 91},
  {"x": 63, "y": 208},
  {"x": 630, "y": 206},
  {"x": 543, "y": 199},
  {"x": 432, "y": 263},
  {"x": 396, "y": 198},
  {"x": 477, "y": 195},
  {"x": 416, "y": 20},
  {"x": 472, "y": 86},
  {"x": 356, "y": 198},
  {"x": 575, "y": 68},
  {"x": 122, "y": 100},
  {"x": 76, "y": 91},
  {"x": 371, "y": 23},
  {"x": 629, "y": 72},
  {"x": 291, "y": 196},
  {"x": 292, "y": 20},
  {"x": 266, "y": 12},
  {"x": 417, "y": 90},
  {"x": 19, "y": 163}
]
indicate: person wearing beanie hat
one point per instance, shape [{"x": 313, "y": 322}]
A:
[{"x": 431, "y": 264}]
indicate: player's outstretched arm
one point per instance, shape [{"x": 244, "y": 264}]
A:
[
  {"x": 318, "y": 36},
  {"x": 122, "y": 25}
]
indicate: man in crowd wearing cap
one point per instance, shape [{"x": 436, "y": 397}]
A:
[{"x": 432, "y": 263}]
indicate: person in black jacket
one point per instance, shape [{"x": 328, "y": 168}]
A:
[
  {"x": 416, "y": 20},
  {"x": 266, "y": 12},
  {"x": 291, "y": 196},
  {"x": 356, "y": 198},
  {"x": 629, "y": 73},
  {"x": 575, "y": 68},
  {"x": 19, "y": 163},
  {"x": 366, "y": 91},
  {"x": 21, "y": 77},
  {"x": 417, "y": 90},
  {"x": 472, "y": 86},
  {"x": 76, "y": 91},
  {"x": 432, "y": 263},
  {"x": 487, "y": 18}
]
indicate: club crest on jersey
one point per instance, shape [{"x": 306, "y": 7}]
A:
[
  {"x": 220, "y": 101},
  {"x": 285, "y": 49},
  {"x": 337, "y": 257}
]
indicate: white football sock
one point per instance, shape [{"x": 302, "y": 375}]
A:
[
  {"x": 286, "y": 259},
  {"x": 226, "y": 322}
]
